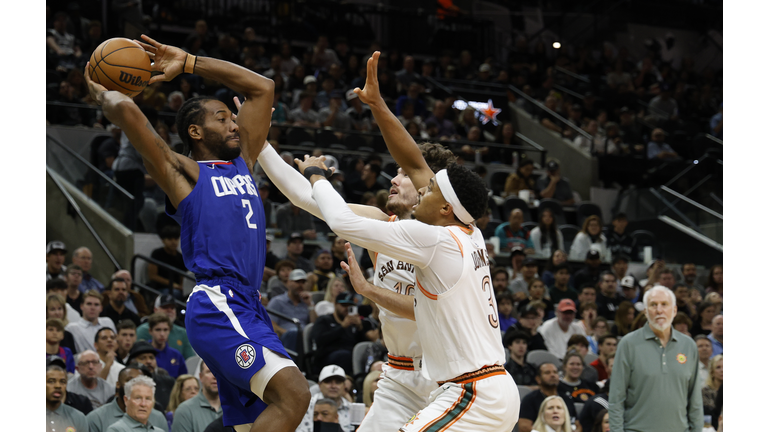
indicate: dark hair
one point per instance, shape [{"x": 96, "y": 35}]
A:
[
  {"x": 586, "y": 305},
  {"x": 192, "y": 112},
  {"x": 497, "y": 270},
  {"x": 375, "y": 168},
  {"x": 598, "y": 426},
  {"x": 587, "y": 285},
  {"x": 170, "y": 231},
  {"x": 73, "y": 267},
  {"x": 55, "y": 283},
  {"x": 96, "y": 338},
  {"x": 700, "y": 308},
  {"x": 550, "y": 260},
  {"x": 620, "y": 257},
  {"x": 561, "y": 266},
  {"x": 511, "y": 336},
  {"x": 437, "y": 156},
  {"x": 578, "y": 339},
  {"x": 284, "y": 263},
  {"x": 112, "y": 283},
  {"x": 470, "y": 190},
  {"x": 606, "y": 273},
  {"x": 126, "y": 324},
  {"x": 157, "y": 318},
  {"x": 682, "y": 318},
  {"x": 505, "y": 295},
  {"x": 538, "y": 369},
  {"x": 601, "y": 340}
]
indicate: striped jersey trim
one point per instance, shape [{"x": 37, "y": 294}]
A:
[
  {"x": 470, "y": 377},
  {"x": 402, "y": 363},
  {"x": 455, "y": 412}
]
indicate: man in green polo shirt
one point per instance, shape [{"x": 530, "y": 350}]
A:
[
  {"x": 177, "y": 339},
  {"x": 195, "y": 414},
  {"x": 654, "y": 383},
  {"x": 139, "y": 399},
  {"x": 60, "y": 417},
  {"x": 106, "y": 415}
]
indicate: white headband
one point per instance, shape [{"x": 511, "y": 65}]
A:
[{"x": 450, "y": 195}]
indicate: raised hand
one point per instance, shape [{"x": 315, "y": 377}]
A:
[
  {"x": 310, "y": 161},
  {"x": 356, "y": 277},
  {"x": 166, "y": 59},
  {"x": 95, "y": 89},
  {"x": 370, "y": 93}
]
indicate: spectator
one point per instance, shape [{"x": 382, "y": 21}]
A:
[
  {"x": 634, "y": 399},
  {"x": 685, "y": 305},
  {"x": 74, "y": 276},
  {"x": 663, "y": 107},
  {"x": 500, "y": 280},
  {"x": 105, "y": 347},
  {"x": 295, "y": 247},
  {"x": 370, "y": 384},
  {"x": 716, "y": 335},
  {"x": 143, "y": 353},
  {"x": 277, "y": 283},
  {"x": 715, "y": 280},
  {"x": 59, "y": 416},
  {"x": 550, "y": 121},
  {"x": 712, "y": 385},
  {"x": 536, "y": 291},
  {"x": 177, "y": 339},
  {"x": 702, "y": 320},
  {"x": 548, "y": 380},
  {"x": 163, "y": 279},
  {"x": 186, "y": 388},
  {"x": 506, "y": 308},
  {"x": 118, "y": 292},
  {"x": 84, "y": 331},
  {"x": 690, "y": 274},
  {"x": 322, "y": 56},
  {"x": 303, "y": 114},
  {"x": 552, "y": 185},
  {"x": 511, "y": 234},
  {"x": 560, "y": 288},
  {"x": 523, "y": 372},
  {"x": 606, "y": 349},
  {"x": 288, "y": 62},
  {"x": 521, "y": 179},
  {"x": 658, "y": 149},
  {"x": 55, "y": 253},
  {"x": 704, "y": 347},
  {"x": 297, "y": 303},
  {"x": 368, "y": 183},
  {"x": 126, "y": 337},
  {"x": 334, "y": 115},
  {"x": 553, "y": 416},
  {"x": 446, "y": 129},
  {"x": 166, "y": 357},
  {"x": 599, "y": 329},
  {"x": 135, "y": 301},
  {"x": 571, "y": 383},
  {"x": 618, "y": 240},
  {"x": 99, "y": 420},
  {"x": 620, "y": 265},
  {"x": 292, "y": 219},
  {"x": 546, "y": 237},
  {"x": 139, "y": 399},
  {"x": 588, "y": 314},
  {"x": 590, "y": 273},
  {"x": 88, "y": 383},
  {"x": 323, "y": 98},
  {"x": 54, "y": 334},
  {"x": 608, "y": 299},
  {"x": 666, "y": 277},
  {"x": 57, "y": 307},
  {"x": 519, "y": 286},
  {"x": 625, "y": 315},
  {"x": 558, "y": 330},
  {"x": 326, "y": 411},
  {"x": 629, "y": 290},
  {"x": 338, "y": 333},
  {"x": 359, "y": 114},
  {"x": 590, "y": 238},
  {"x": 558, "y": 257},
  {"x": 407, "y": 75},
  {"x": 682, "y": 324},
  {"x": 63, "y": 47},
  {"x": 331, "y": 383},
  {"x": 594, "y": 146},
  {"x": 412, "y": 95},
  {"x": 82, "y": 256},
  {"x": 528, "y": 322},
  {"x": 580, "y": 345}
]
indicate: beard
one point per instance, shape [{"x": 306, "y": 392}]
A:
[
  {"x": 660, "y": 327},
  {"x": 217, "y": 144}
]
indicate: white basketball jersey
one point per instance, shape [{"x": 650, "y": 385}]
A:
[
  {"x": 459, "y": 328},
  {"x": 400, "y": 334}
]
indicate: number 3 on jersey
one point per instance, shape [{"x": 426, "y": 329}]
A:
[
  {"x": 493, "y": 319},
  {"x": 247, "y": 204}
]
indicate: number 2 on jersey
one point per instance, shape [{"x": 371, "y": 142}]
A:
[
  {"x": 247, "y": 203},
  {"x": 493, "y": 319}
]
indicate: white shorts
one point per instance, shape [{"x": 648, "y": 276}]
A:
[
  {"x": 490, "y": 404},
  {"x": 273, "y": 363},
  {"x": 401, "y": 394}
]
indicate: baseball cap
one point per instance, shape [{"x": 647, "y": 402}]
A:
[
  {"x": 164, "y": 300},
  {"x": 552, "y": 165},
  {"x": 55, "y": 245},
  {"x": 566, "y": 305},
  {"x": 529, "y": 262},
  {"x": 55, "y": 360},
  {"x": 309, "y": 79},
  {"x": 516, "y": 251},
  {"x": 345, "y": 298},
  {"x": 294, "y": 236},
  {"x": 297, "y": 275},
  {"x": 139, "y": 348},
  {"x": 351, "y": 95},
  {"x": 485, "y": 67},
  {"x": 270, "y": 237},
  {"x": 593, "y": 254},
  {"x": 331, "y": 371},
  {"x": 628, "y": 281}
]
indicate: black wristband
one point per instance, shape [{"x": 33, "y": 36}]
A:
[{"x": 316, "y": 170}]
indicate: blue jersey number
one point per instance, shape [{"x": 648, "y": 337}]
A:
[{"x": 247, "y": 203}]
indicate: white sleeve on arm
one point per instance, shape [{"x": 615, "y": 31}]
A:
[
  {"x": 290, "y": 182},
  {"x": 410, "y": 241}
]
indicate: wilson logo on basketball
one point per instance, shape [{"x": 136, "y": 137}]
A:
[{"x": 127, "y": 78}]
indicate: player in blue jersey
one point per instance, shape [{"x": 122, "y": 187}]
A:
[{"x": 211, "y": 193}]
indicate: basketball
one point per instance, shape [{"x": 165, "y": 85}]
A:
[{"x": 121, "y": 64}]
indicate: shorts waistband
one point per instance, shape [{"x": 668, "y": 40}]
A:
[
  {"x": 482, "y": 373},
  {"x": 404, "y": 363}
]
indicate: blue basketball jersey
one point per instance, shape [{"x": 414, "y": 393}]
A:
[{"x": 222, "y": 225}]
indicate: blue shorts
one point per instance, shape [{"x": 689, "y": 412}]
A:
[{"x": 227, "y": 328}]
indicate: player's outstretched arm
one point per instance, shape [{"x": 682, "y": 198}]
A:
[
  {"x": 170, "y": 170},
  {"x": 399, "y": 142},
  {"x": 254, "y": 116},
  {"x": 399, "y": 304}
]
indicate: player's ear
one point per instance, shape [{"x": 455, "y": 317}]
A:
[{"x": 195, "y": 131}]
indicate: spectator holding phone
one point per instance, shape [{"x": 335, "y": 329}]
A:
[{"x": 337, "y": 334}]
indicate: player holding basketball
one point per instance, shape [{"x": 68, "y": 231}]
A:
[{"x": 213, "y": 197}]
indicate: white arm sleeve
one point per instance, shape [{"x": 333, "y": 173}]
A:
[
  {"x": 290, "y": 182},
  {"x": 409, "y": 240}
]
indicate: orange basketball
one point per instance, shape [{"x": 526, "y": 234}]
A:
[{"x": 121, "y": 64}]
